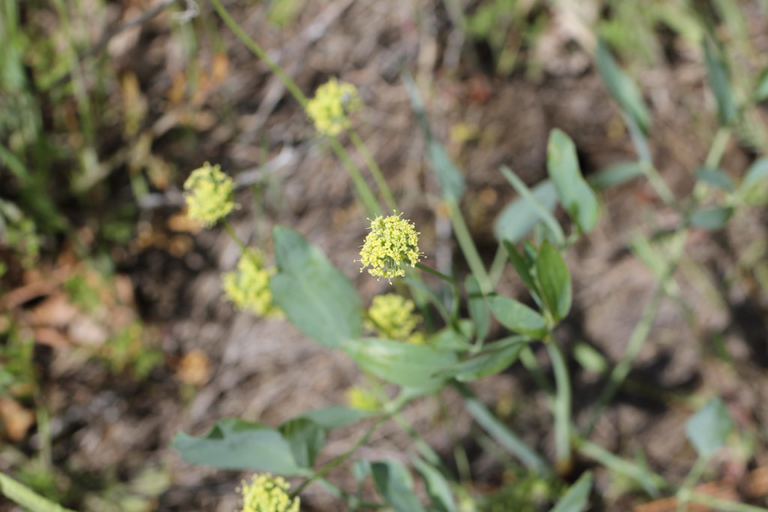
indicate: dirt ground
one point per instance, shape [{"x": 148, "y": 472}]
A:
[{"x": 266, "y": 370}]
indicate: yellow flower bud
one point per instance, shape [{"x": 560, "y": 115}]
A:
[
  {"x": 209, "y": 194},
  {"x": 392, "y": 317},
  {"x": 362, "y": 399},
  {"x": 267, "y": 493},
  {"x": 334, "y": 101},
  {"x": 248, "y": 285},
  {"x": 391, "y": 244}
]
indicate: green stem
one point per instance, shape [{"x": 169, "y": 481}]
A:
[
  {"x": 649, "y": 480},
  {"x": 426, "y": 451},
  {"x": 646, "y": 163},
  {"x": 363, "y": 190},
  {"x": 694, "y": 475},
  {"x": 544, "y": 214},
  {"x": 468, "y": 247},
  {"x": 720, "y": 504},
  {"x": 718, "y": 147},
  {"x": 497, "y": 266},
  {"x": 528, "y": 359},
  {"x": 505, "y": 437},
  {"x": 437, "y": 273},
  {"x": 231, "y": 232},
  {"x": 562, "y": 407},
  {"x": 375, "y": 170}
]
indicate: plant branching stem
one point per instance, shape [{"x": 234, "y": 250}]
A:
[
  {"x": 562, "y": 407},
  {"x": 381, "y": 183},
  {"x": 468, "y": 247}
]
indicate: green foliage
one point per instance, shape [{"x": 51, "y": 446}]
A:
[
  {"x": 708, "y": 429},
  {"x": 720, "y": 83},
  {"x": 520, "y": 216},
  {"x": 517, "y": 317},
  {"x": 622, "y": 87},
  {"x": 496, "y": 357},
  {"x": 554, "y": 281},
  {"x": 437, "y": 486},
  {"x": 306, "y": 438},
  {"x": 27, "y": 498},
  {"x": 395, "y": 485},
  {"x": 577, "y": 497}
]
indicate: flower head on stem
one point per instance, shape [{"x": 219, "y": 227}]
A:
[
  {"x": 334, "y": 101},
  {"x": 267, "y": 493},
  {"x": 248, "y": 285},
  {"x": 209, "y": 194},
  {"x": 391, "y": 244},
  {"x": 392, "y": 316}
]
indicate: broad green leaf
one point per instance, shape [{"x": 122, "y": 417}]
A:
[
  {"x": 401, "y": 363},
  {"x": 577, "y": 497},
  {"x": 495, "y": 358},
  {"x": 708, "y": 429},
  {"x": 395, "y": 485},
  {"x": 711, "y": 219},
  {"x": 517, "y": 317},
  {"x": 316, "y": 297},
  {"x": 448, "y": 175},
  {"x": 761, "y": 90},
  {"x": 361, "y": 468},
  {"x": 336, "y": 416},
  {"x": 616, "y": 174},
  {"x": 554, "y": 281},
  {"x": 518, "y": 218},
  {"x": 26, "y": 497},
  {"x": 237, "y": 444},
  {"x": 720, "y": 83},
  {"x": 756, "y": 173},
  {"x": 437, "y": 486},
  {"x": 716, "y": 177},
  {"x": 575, "y": 194},
  {"x": 478, "y": 309},
  {"x": 622, "y": 87},
  {"x": 523, "y": 269},
  {"x": 306, "y": 438},
  {"x": 453, "y": 339}
]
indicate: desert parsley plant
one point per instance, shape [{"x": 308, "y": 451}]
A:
[
  {"x": 332, "y": 105},
  {"x": 268, "y": 493},
  {"x": 248, "y": 285},
  {"x": 209, "y": 194},
  {"x": 392, "y": 316},
  {"x": 392, "y": 244}
]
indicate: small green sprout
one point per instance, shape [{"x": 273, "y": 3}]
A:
[
  {"x": 248, "y": 285},
  {"x": 209, "y": 197},
  {"x": 334, "y": 101},
  {"x": 267, "y": 493},
  {"x": 391, "y": 244},
  {"x": 392, "y": 316}
]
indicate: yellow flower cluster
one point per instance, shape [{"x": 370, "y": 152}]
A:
[
  {"x": 267, "y": 493},
  {"x": 209, "y": 194},
  {"x": 392, "y": 316},
  {"x": 248, "y": 285},
  {"x": 391, "y": 244},
  {"x": 362, "y": 399},
  {"x": 334, "y": 101}
]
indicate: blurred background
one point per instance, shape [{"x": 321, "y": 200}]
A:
[{"x": 113, "y": 332}]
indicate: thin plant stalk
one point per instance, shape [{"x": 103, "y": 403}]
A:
[
  {"x": 652, "y": 482},
  {"x": 468, "y": 247},
  {"x": 231, "y": 232},
  {"x": 694, "y": 475},
  {"x": 561, "y": 407},
  {"x": 363, "y": 190},
  {"x": 381, "y": 183},
  {"x": 541, "y": 210}
]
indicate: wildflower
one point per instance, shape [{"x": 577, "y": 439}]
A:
[
  {"x": 392, "y": 316},
  {"x": 267, "y": 493},
  {"x": 248, "y": 285},
  {"x": 209, "y": 197},
  {"x": 334, "y": 101},
  {"x": 362, "y": 399},
  {"x": 391, "y": 244}
]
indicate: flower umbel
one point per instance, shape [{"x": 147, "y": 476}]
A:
[
  {"x": 392, "y": 316},
  {"x": 248, "y": 285},
  {"x": 362, "y": 399},
  {"x": 334, "y": 101},
  {"x": 267, "y": 493},
  {"x": 209, "y": 194},
  {"x": 391, "y": 244}
]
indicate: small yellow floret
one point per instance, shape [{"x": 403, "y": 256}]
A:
[
  {"x": 334, "y": 101},
  {"x": 392, "y": 317},
  {"x": 209, "y": 194},
  {"x": 391, "y": 244},
  {"x": 362, "y": 399},
  {"x": 248, "y": 285},
  {"x": 267, "y": 493}
]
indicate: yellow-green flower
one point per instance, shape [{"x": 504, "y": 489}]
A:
[
  {"x": 334, "y": 101},
  {"x": 392, "y": 316},
  {"x": 209, "y": 194},
  {"x": 248, "y": 285},
  {"x": 362, "y": 399},
  {"x": 267, "y": 493},
  {"x": 391, "y": 244}
]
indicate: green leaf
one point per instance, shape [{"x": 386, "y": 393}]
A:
[
  {"x": 336, "y": 416},
  {"x": 453, "y": 339},
  {"x": 523, "y": 269},
  {"x": 437, "y": 486},
  {"x": 518, "y": 218},
  {"x": 622, "y": 87},
  {"x": 716, "y": 177},
  {"x": 577, "y": 497},
  {"x": 554, "y": 281},
  {"x": 394, "y": 483},
  {"x": 616, "y": 174},
  {"x": 306, "y": 438},
  {"x": 237, "y": 444},
  {"x": 575, "y": 194},
  {"x": 708, "y": 429},
  {"x": 720, "y": 83},
  {"x": 761, "y": 90},
  {"x": 26, "y": 497},
  {"x": 589, "y": 358},
  {"x": 711, "y": 219},
  {"x": 496, "y": 358},
  {"x": 517, "y": 317},
  {"x": 401, "y": 363},
  {"x": 449, "y": 177},
  {"x": 756, "y": 173},
  {"x": 316, "y": 297},
  {"x": 478, "y": 309},
  {"x": 432, "y": 296}
]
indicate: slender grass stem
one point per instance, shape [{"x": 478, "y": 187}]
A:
[
  {"x": 468, "y": 247},
  {"x": 562, "y": 408},
  {"x": 381, "y": 183},
  {"x": 649, "y": 480}
]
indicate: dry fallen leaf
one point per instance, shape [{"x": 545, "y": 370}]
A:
[
  {"x": 194, "y": 368},
  {"x": 16, "y": 419}
]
